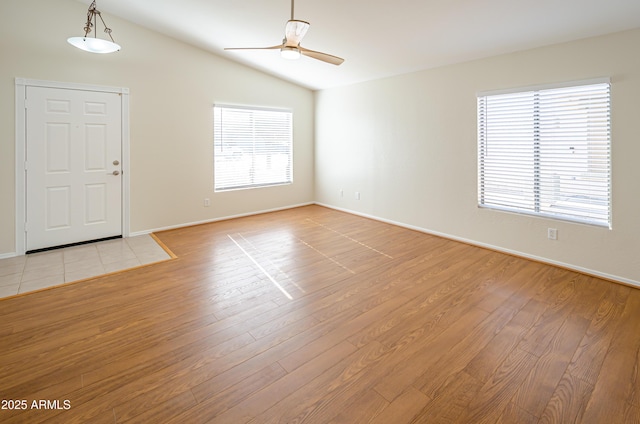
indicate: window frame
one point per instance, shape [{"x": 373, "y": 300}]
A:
[
  {"x": 268, "y": 146},
  {"x": 520, "y": 205}
]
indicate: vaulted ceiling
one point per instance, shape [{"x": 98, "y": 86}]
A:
[{"x": 377, "y": 38}]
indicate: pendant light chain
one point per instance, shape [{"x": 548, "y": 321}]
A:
[
  {"x": 92, "y": 15},
  {"x": 94, "y": 44}
]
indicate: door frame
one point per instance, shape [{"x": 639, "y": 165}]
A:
[{"x": 21, "y": 85}]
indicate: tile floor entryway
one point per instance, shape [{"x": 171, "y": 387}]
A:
[{"x": 36, "y": 271}]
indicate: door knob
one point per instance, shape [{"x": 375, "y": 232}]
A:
[{"x": 116, "y": 172}]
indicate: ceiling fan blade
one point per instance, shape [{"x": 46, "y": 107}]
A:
[
  {"x": 295, "y": 31},
  {"x": 290, "y": 48},
  {"x": 325, "y": 57},
  {"x": 278, "y": 47}
]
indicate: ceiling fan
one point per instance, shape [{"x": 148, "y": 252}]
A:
[{"x": 291, "y": 48}]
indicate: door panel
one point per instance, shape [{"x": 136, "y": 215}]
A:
[
  {"x": 58, "y": 208},
  {"x": 95, "y": 148},
  {"x": 57, "y": 146},
  {"x": 96, "y": 204},
  {"x": 74, "y": 138}
]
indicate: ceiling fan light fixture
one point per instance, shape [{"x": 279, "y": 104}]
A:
[
  {"x": 290, "y": 49},
  {"x": 297, "y": 28},
  {"x": 290, "y": 53},
  {"x": 94, "y": 44}
]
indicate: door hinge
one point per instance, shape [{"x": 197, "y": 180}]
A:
[{"x": 26, "y": 227}]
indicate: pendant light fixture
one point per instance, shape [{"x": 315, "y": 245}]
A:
[{"x": 94, "y": 44}]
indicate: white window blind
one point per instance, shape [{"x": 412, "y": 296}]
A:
[
  {"x": 252, "y": 147},
  {"x": 547, "y": 152}
]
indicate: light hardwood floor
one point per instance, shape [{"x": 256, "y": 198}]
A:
[{"x": 316, "y": 316}]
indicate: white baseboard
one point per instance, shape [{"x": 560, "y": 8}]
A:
[
  {"x": 8, "y": 255},
  {"x": 614, "y": 278}
]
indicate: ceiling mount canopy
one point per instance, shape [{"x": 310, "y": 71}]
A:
[
  {"x": 94, "y": 44},
  {"x": 290, "y": 48}
]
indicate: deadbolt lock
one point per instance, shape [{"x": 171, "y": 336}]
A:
[{"x": 116, "y": 162}]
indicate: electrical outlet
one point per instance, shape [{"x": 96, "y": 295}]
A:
[
  {"x": 357, "y": 195},
  {"x": 341, "y": 193},
  {"x": 552, "y": 233},
  {"x": 207, "y": 202}
]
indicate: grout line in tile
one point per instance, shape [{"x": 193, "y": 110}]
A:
[{"x": 64, "y": 271}]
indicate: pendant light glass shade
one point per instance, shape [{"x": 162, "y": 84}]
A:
[{"x": 94, "y": 44}]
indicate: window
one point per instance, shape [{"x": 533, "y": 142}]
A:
[
  {"x": 252, "y": 147},
  {"x": 547, "y": 152}
]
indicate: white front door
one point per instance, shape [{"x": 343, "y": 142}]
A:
[{"x": 73, "y": 166}]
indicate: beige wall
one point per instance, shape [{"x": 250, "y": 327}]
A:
[
  {"x": 172, "y": 90},
  {"x": 408, "y": 144}
]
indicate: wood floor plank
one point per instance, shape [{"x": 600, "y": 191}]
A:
[
  {"x": 632, "y": 414},
  {"x": 362, "y": 410},
  {"x": 560, "y": 306},
  {"x": 422, "y": 357},
  {"x": 512, "y": 414},
  {"x": 152, "y": 393},
  {"x": 404, "y": 408},
  {"x": 568, "y": 402},
  {"x": 440, "y": 302},
  {"x": 617, "y": 381},
  {"x": 155, "y": 414},
  {"x": 122, "y": 387},
  {"x": 341, "y": 332},
  {"x": 195, "y": 339},
  {"x": 537, "y": 389},
  {"x": 451, "y": 403},
  {"x": 210, "y": 401},
  {"x": 483, "y": 365},
  {"x": 339, "y": 387},
  {"x": 266, "y": 398},
  {"x": 494, "y": 396},
  {"x": 375, "y": 312},
  {"x": 589, "y": 356},
  {"x": 218, "y": 401},
  {"x": 458, "y": 357}
]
